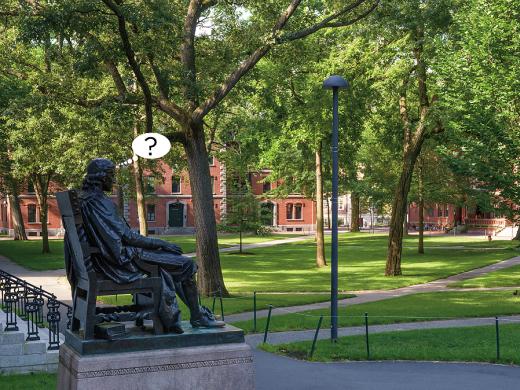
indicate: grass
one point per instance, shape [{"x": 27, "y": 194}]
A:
[
  {"x": 362, "y": 257},
  {"x": 411, "y": 308},
  {"x": 470, "y": 344},
  {"x": 241, "y": 303},
  {"x": 291, "y": 267},
  {"x": 502, "y": 278},
  {"x": 35, "y": 381},
  {"x": 28, "y": 253}
]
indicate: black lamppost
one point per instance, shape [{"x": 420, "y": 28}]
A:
[{"x": 334, "y": 83}]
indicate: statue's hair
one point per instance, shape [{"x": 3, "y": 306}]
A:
[
  {"x": 96, "y": 173},
  {"x": 92, "y": 181}
]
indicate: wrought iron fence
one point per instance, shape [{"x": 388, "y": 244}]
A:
[{"x": 37, "y": 307}]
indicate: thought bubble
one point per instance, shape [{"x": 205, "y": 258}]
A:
[{"x": 151, "y": 145}]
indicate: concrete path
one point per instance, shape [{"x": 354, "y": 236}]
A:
[
  {"x": 264, "y": 244},
  {"x": 302, "y": 335},
  {"x": 378, "y": 295},
  {"x": 282, "y": 373}
]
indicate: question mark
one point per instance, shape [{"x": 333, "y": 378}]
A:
[{"x": 151, "y": 146}]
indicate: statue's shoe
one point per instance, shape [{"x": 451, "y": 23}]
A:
[
  {"x": 174, "y": 329},
  {"x": 204, "y": 322}
]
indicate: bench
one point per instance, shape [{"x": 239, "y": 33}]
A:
[{"x": 88, "y": 285}]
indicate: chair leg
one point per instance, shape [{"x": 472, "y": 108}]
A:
[
  {"x": 158, "y": 326},
  {"x": 90, "y": 320}
]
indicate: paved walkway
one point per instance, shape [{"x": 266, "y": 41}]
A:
[
  {"x": 302, "y": 335},
  {"x": 378, "y": 295},
  {"x": 245, "y": 247}
]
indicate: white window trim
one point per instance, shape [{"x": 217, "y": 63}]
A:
[{"x": 180, "y": 185}]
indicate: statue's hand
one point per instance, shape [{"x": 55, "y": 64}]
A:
[{"x": 169, "y": 247}]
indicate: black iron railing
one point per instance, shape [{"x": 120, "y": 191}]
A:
[{"x": 37, "y": 307}]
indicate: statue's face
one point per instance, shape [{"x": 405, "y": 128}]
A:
[{"x": 108, "y": 180}]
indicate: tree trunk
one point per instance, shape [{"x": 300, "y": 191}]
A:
[
  {"x": 16, "y": 212},
  {"x": 395, "y": 239},
  {"x": 210, "y": 272},
  {"x": 517, "y": 237},
  {"x": 139, "y": 198},
  {"x": 41, "y": 189},
  {"x": 421, "y": 208},
  {"x": 320, "y": 237},
  {"x": 328, "y": 211},
  {"x": 354, "y": 212}
]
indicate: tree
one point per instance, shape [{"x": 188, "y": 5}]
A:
[
  {"x": 481, "y": 74},
  {"x": 412, "y": 27},
  {"x": 165, "y": 51}
]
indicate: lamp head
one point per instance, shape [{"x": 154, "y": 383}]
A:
[{"x": 335, "y": 81}]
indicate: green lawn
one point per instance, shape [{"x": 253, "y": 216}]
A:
[
  {"x": 241, "y": 303},
  {"x": 502, "y": 278},
  {"x": 290, "y": 267},
  {"x": 474, "y": 344},
  {"x": 28, "y": 253},
  {"x": 362, "y": 258},
  {"x": 36, "y": 381},
  {"x": 411, "y": 308}
]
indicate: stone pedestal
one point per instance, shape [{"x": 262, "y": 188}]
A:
[{"x": 158, "y": 362}]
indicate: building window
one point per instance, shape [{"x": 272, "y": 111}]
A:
[
  {"x": 266, "y": 187},
  {"x": 150, "y": 212},
  {"x": 31, "y": 213},
  {"x": 430, "y": 212},
  {"x": 176, "y": 185},
  {"x": 149, "y": 185},
  {"x": 214, "y": 184},
  {"x": 341, "y": 203},
  {"x": 289, "y": 209},
  {"x": 446, "y": 211},
  {"x": 211, "y": 161},
  {"x": 30, "y": 187},
  {"x": 298, "y": 211},
  {"x": 439, "y": 211}
]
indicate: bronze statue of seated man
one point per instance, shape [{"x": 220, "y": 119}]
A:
[{"x": 121, "y": 251}]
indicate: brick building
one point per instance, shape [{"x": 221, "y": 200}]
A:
[
  {"x": 169, "y": 207},
  {"x": 441, "y": 216}
]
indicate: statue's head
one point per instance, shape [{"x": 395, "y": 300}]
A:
[{"x": 100, "y": 173}]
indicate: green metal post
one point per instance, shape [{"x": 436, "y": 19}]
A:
[
  {"x": 315, "y": 337},
  {"x": 498, "y": 338},
  {"x": 267, "y": 324},
  {"x": 213, "y": 305},
  {"x": 366, "y": 336}
]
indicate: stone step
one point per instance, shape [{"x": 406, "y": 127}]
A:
[
  {"x": 10, "y": 338},
  {"x": 20, "y": 356},
  {"x": 43, "y": 333}
]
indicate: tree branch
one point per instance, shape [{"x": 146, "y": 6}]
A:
[
  {"x": 245, "y": 66},
  {"x": 260, "y": 52},
  {"x": 116, "y": 76},
  {"x": 130, "y": 55},
  {"x": 188, "y": 53},
  {"x": 329, "y": 21}
]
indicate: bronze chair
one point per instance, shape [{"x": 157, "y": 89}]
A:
[{"x": 87, "y": 285}]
